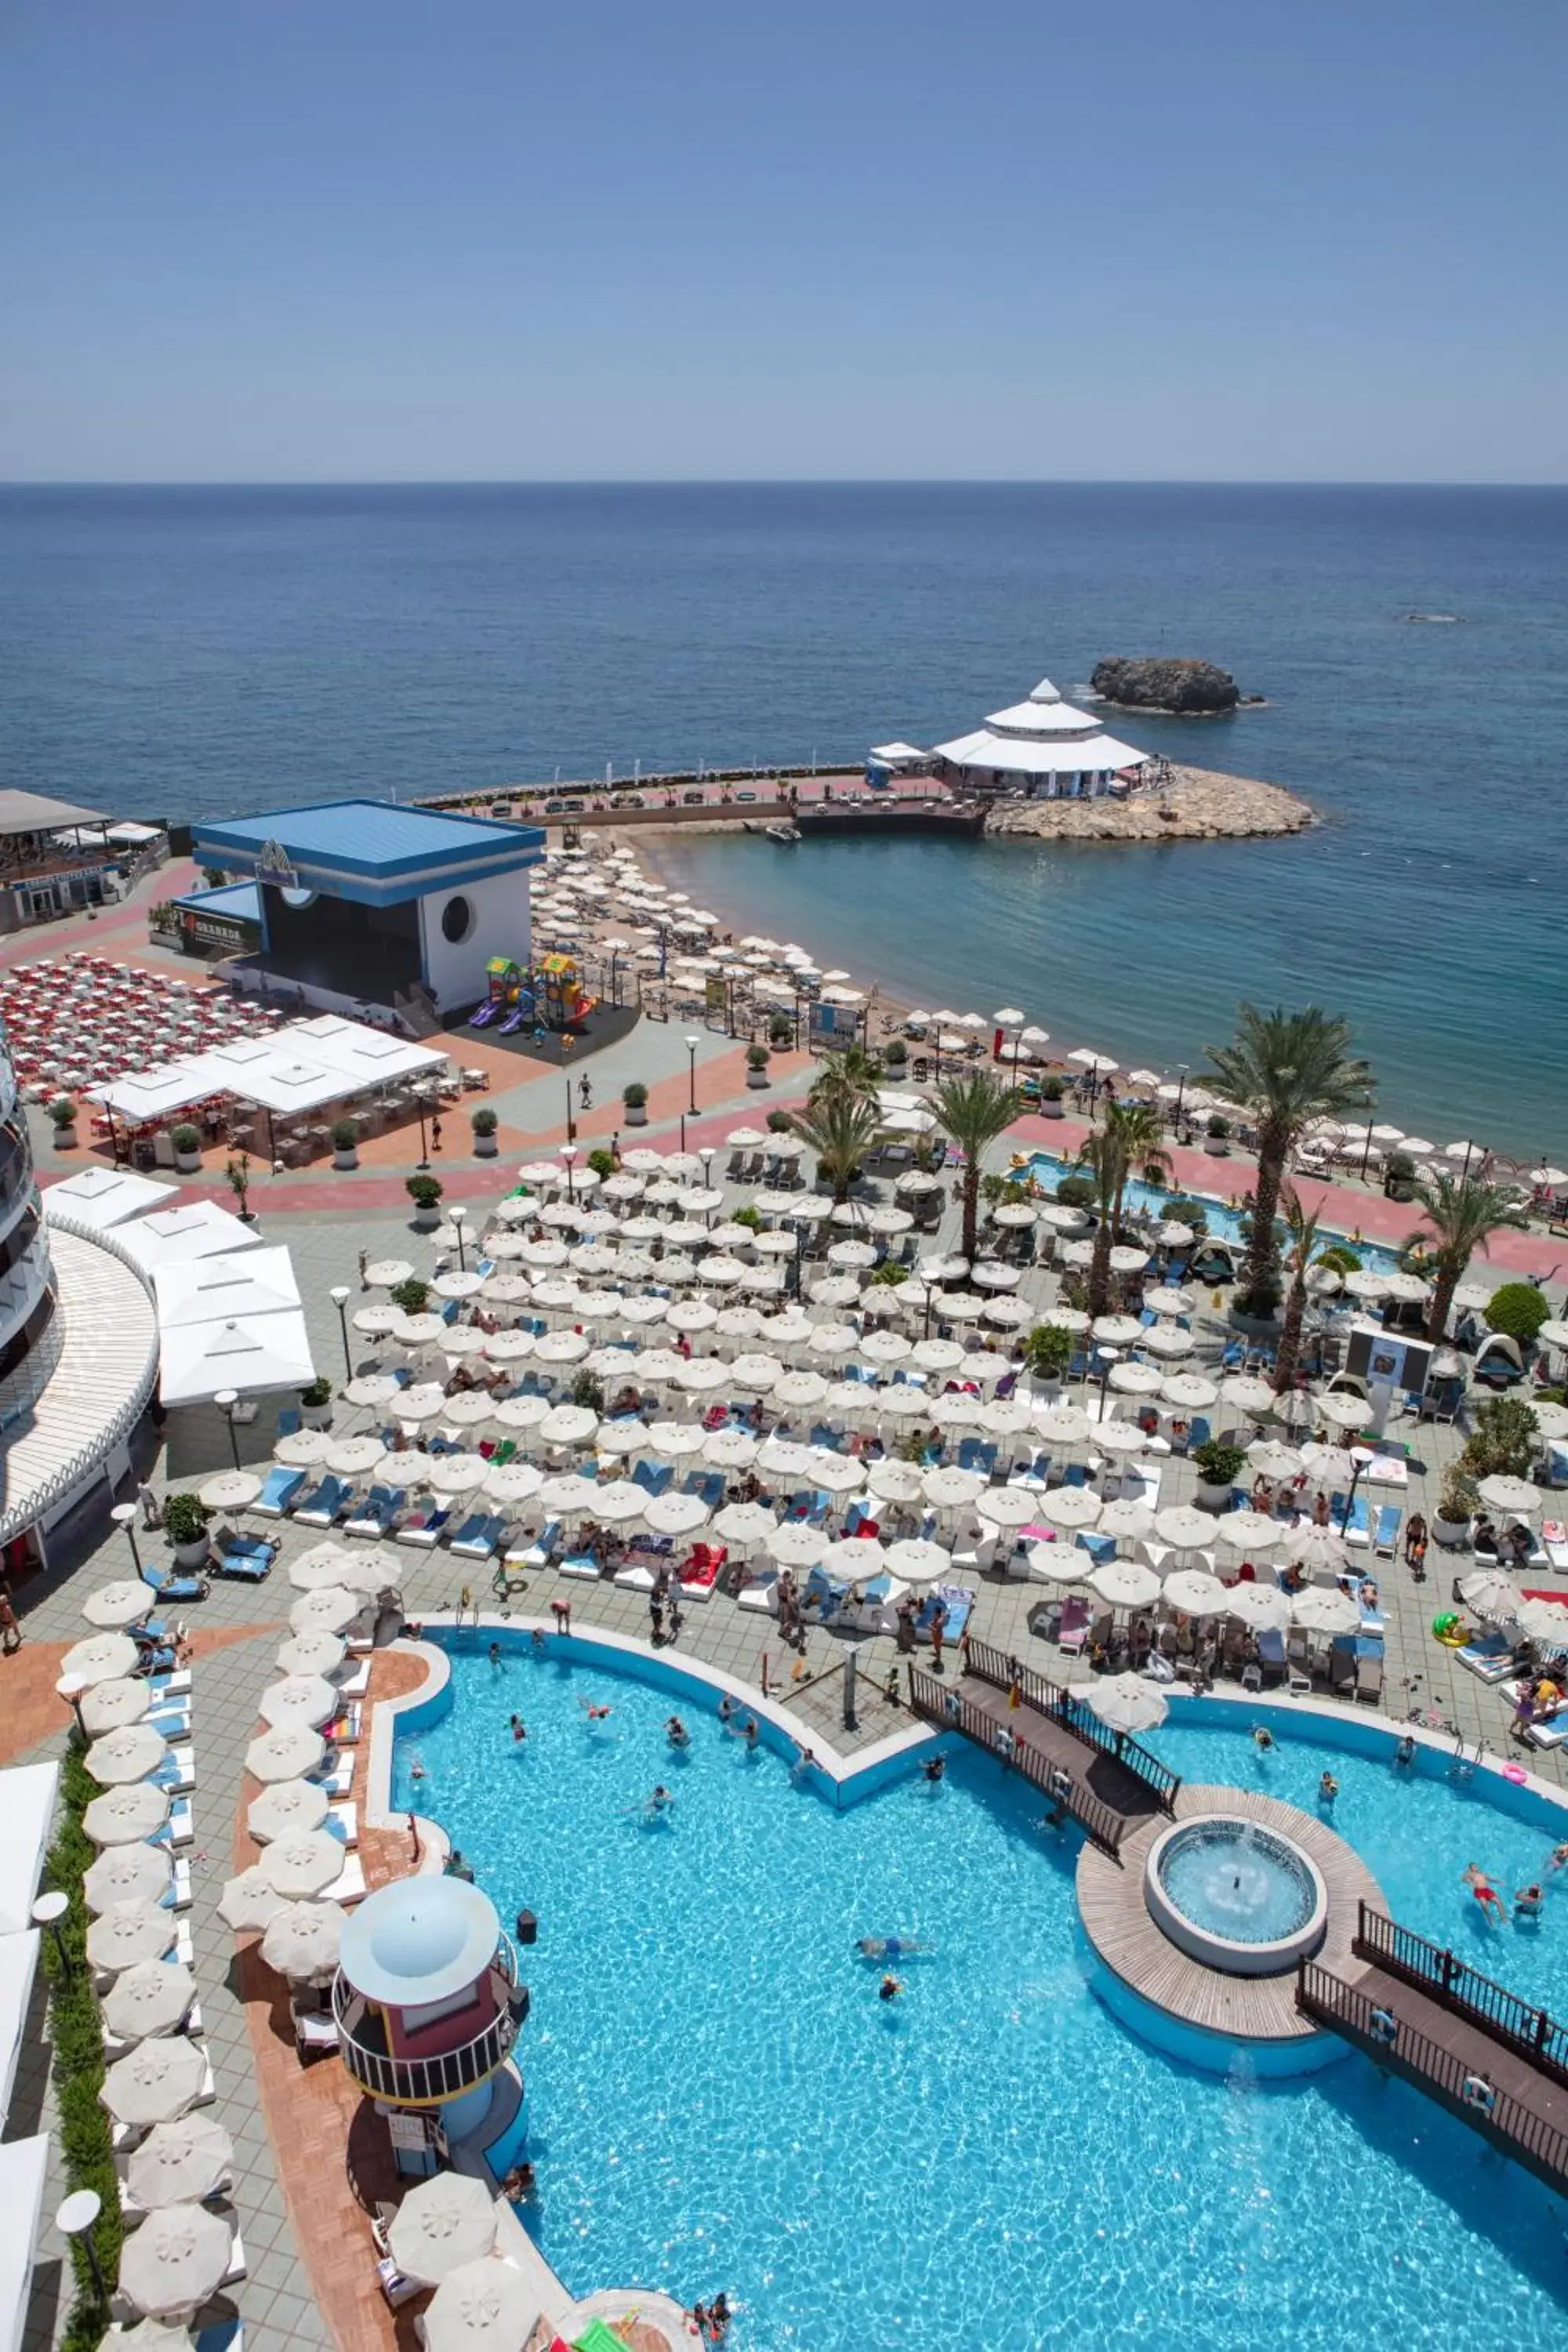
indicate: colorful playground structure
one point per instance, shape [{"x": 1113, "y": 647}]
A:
[{"x": 547, "y": 996}]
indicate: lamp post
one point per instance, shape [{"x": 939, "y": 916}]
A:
[
  {"x": 70, "y": 1687},
  {"x": 1109, "y": 1358},
  {"x": 421, "y": 1104},
  {"x": 338, "y": 1295},
  {"x": 1361, "y": 1459},
  {"x": 226, "y": 1400},
  {"x": 570, "y": 1122},
  {"x": 569, "y": 1154},
  {"x": 124, "y": 1516},
  {"x": 797, "y": 1262},
  {"x": 456, "y": 1216},
  {"x": 692, "y": 1043},
  {"x": 48, "y": 1911},
  {"x": 683, "y": 1130},
  {"x": 1181, "y": 1088},
  {"x": 75, "y": 2219}
]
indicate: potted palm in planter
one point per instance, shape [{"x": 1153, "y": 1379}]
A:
[
  {"x": 1217, "y": 1136},
  {"x": 185, "y": 1524},
  {"x": 345, "y": 1143},
  {"x": 1457, "y": 1500},
  {"x": 187, "y": 1142},
  {"x": 1399, "y": 1176},
  {"x": 634, "y": 1102},
  {"x": 484, "y": 1122},
  {"x": 1218, "y": 1466},
  {"x": 238, "y": 1173},
  {"x": 1052, "y": 1089},
  {"x": 316, "y": 1404},
  {"x": 757, "y": 1059},
  {"x": 425, "y": 1192},
  {"x": 62, "y": 1118}
]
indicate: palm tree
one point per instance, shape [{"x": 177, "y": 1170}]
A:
[
  {"x": 1284, "y": 1070},
  {"x": 853, "y": 1071},
  {"x": 1460, "y": 1214},
  {"x": 840, "y": 1127},
  {"x": 1301, "y": 1226},
  {"x": 972, "y": 1112},
  {"x": 1128, "y": 1136}
]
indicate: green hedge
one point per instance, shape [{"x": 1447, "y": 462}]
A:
[{"x": 76, "y": 2030}]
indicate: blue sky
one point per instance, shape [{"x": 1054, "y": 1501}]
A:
[{"x": 428, "y": 239}]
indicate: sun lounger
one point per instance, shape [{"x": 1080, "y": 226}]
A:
[
  {"x": 357, "y": 1684},
  {"x": 377, "y": 1515},
  {"x": 180, "y": 1829},
  {"x": 279, "y": 1489},
  {"x": 1491, "y": 1658},
  {"x": 1354, "y": 1523},
  {"x": 699, "y": 1572},
  {"x": 170, "y": 1718},
  {"x": 336, "y": 1776},
  {"x": 325, "y": 1504},
  {"x": 315, "y": 2035},
  {"x": 654, "y": 1477},
  {"x": 759, "y": 1594},
  {"x": 177, "y": 1772},
  {"x": 583, "y": 1565},
  {"x": 1369, "y": 1676},
  {"x": 477, "y": 1536},
  {"x": 1099, "y": 1548},
  {"x": 173, "y": 1590},
  {"x": 423, "y": 1529},
  {"x": 348, "y": 1887},
  {"x": 342, "y": 1821},
  {"x": 541, "y": 1552},
  {"x": 709, "y": 1484},
  {"x": 1386, "y": 1531},
  {"x": 1072, "y": 1631},
  {"x": 959, "y": 1599}
]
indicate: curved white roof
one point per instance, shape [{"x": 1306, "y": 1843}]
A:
[
  {"x": 70, "y": 1401},
  {"x": 1032, "y": 718},
  {"x": 420, "y": 1940},
  {"x": 1039, "y": 755}
]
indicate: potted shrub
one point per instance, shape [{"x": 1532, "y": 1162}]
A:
[
  {"x": 634, "y": 1102},
  {"x": 316, "y": 1404},
  {"x": 602, "y": 1160},
  {"x": 1399, "y": 1176},
  {"x": 1048, "y": 1352},
  {"x": 413, "y": 1296},
  {"x": 1052, "y": 1089},
  {"x": 239, "y": 1174},
  {"x": 895, "y": 1053},
  {"x": 781, "y": 1032},
  {"x": 1076, "y": 1192},
  {"x": 1218, "y": 1466},
  {"x": 1217, "y": 1136},
  {"x": 588, "y": 1390},
  {"x": 185, "y": 1525},
  {"x": 780, "y": 1123},
  {"x": 62, "y": 1118},
  {"x": 748, "y": 1217},
  {"x": 425, "y": 1192},
  {"x": 757, "y": 1059},
  {"x": 345, "y": 1143},
  {"x": 1457, "y": 1500},
  {"x": 187, "y": 1142},
  {"x": 484, "y": 1122}
]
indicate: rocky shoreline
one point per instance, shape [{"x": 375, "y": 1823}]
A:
[{"x": 1201, "y": 804}]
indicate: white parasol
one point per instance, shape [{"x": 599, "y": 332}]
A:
[
  {"x": 127, "y": 1874},
  {"x": 484, "y": 2306},
  {"x": 124, "y": 1602},
  {"x": 1184, "y": 1527},
  {"x": 442, "y": 2224},
  {"x": 157, "y": 2080},
  {"x": 302, "y": 1940},
  {"x": 1247, "y": 1530},
  {"x": 1261, "y": 1607},
  {"x": 176, "y": 2260},
  {"x": 1195, "y": 1593},
  {"x": 126, "y": 1816},
  {"x": 109, "y": 1704},
  {"x": 182, "y": 2160},
  {"x": 286, "y": 1752},
  {"x": 300, "y": 1698},
  {"x": 310, "y": 1653},
  {"x": 1125, "y": 1584},
  {"x": 128, "y": 1932},
  {"x": 128, "y": 1754},
  {"x": 230, "y": 1490},
  {"x": 102, "y": 1658},
  {"x": 1126, "y": 1702},
  {"x": 248, "y": 1901},
  {"x": 302, "y": 1862},
  {"x": 1324, "y": 1609},
  {"x": 148, "y": 1998},
  {"x": 1070, "y": 1506}
]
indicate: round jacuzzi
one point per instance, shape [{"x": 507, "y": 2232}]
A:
[{"x": 1235, "y": 1895}]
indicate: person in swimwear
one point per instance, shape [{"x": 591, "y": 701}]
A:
[
  {"x": 1485, "y": 1892},
  {"x": 890, "y": 1988},
  {"x": 676, "y": 1734}
]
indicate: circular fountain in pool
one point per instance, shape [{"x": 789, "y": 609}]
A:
[{"x": 1236, "y": 1895}]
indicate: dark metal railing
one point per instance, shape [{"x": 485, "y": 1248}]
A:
[
  {"x": 1452, "y": 2080},
  {"x": 995, "y": 1666},
  {"x": 1533, "y": 2032},
  {"x": 444, "y": 2075},
  {"x": 937, "y": 1703}
]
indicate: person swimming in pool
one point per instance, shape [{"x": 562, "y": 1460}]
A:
[
  {"x": 660, "y": 1802},
  {"x": 1527, "y": 1902},
  {"x": 1480, "y": 1886},
  {"x": 1262, "y": 1739},
  {"x": 726, "y": 1708},
  {"x": 594, "y": 1710},
  {"x": 890, "y": 1948},
  {"x": 1406, "y": 1751},
  {"x": 1328, "y": 1788},
  {"x": 934, "y": 1769},
  {"x": 519, "y": 1729},
  {"x": 890, "y": 1988},
  {"x": 674, "y": 1731}
]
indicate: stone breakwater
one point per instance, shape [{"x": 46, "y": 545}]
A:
[{"x": 1201, "y": 804}]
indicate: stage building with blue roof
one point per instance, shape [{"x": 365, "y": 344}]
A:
[{"x": 373, "y": 903}]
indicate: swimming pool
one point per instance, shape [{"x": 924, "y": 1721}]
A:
[
  {"x": 718, "y": 2099},
  {"x": 1225, "y": 1224}
]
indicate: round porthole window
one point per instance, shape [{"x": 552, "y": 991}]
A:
[
  {"x": 456, "y": 920},
  {"x": 298, "y": 900}
]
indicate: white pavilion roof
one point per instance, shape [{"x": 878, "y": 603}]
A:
[
  {"x": 251, "y": 1354},
  {"x": 216, "y": 1289},
  {"x": 1033, "y": 718},
  {"x": 1037, "y": 756}
]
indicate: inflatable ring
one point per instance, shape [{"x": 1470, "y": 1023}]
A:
[
  {"x": 1478, "y": 2094},
  {"x": 1516, "y": 1773},
  {"x": 1449, "y": 1628},
  {"x": 1385, "y": 2025}
]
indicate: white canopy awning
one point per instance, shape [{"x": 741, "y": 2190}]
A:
[
  {"x": 898, "y": 755},
  {"x": 218, "y": 1289},
  {"x": 1019, "y": 756},
  {"x": 24, "y": 2168},
  {"x": 300, "y": 1067},
  {"x": 101, "y": 1197},
  {"x": 18, "y": 1964},
  {"x": 181, "y": 1237},
  {"x": 26, "y": 1809},
  {"x": 251, "y": 1354}
]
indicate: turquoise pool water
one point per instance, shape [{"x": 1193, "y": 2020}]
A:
[
  {"x": 1236, "y": 1884},
  {"x": 718, "y": 2099},
  {"x": 1225, "y": 1224}
]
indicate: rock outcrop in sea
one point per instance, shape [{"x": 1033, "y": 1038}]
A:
[{"x": 1191, "y": 689}]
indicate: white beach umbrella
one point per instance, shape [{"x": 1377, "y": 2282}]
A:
[
  {"x": 568, "y": 1496},
  {"x": 230, "y": 1490},
  {"x": 1191, "y": 1391},
  {"x": 1073, "y": 1507},
  {"x": 1273, "y": 1459},
  {"x": 884, "y": 1348},
  {"x": 442, "y": 2223},
  {"x": 1166, "y": 1340},
  {"x": 302, "y": 1862},
  {"x": 520, "y": 1412},
  {"x": 901, "y": 1403},
  {"x": 619, "y": 1502},
  {"x": 1137, "y": 1379},
  {"x": 957, "y": 1410},
  {"x": 835, "y": 1473},
  {"x": 1515, "y": 1496},
  {"x": 454, "y": 1474},
  {"x": 832, "y": 1342},
  {"x": 372, "y": 1390},
  {"x": 1005, "y": 1507},
  {"x": 744, "y": 1524},
  {"x": 126, "y": 1815},
  {"x": 1321, "y": 1552},
  {"x": 1247, "y": 1531},
  {"x": 916, "y": 1562},
  {"x": 127, "y": 1874},
  {"x": 1409, "y": 1288},
  {"x": 1346, "y": 1411},
  {"x": 1324, "y": 1609},
  {"x": 1125, "y": 1584},
  {"x": 1007, "y": 1417},
  {"x": 377, "y": 1322},
  {"x": 100, "y": 1658},
  {"x": 1071, "y": 1319},
  {"x": 155, "y": 2082},
  {"x": 128, "y": 1754},
  {"x": 1195, "y": 1594},
  {"x": 895, "y": 1482},
  {"x": 180, "y": 2161},
  {"x": 386, "y": 1273},
  {"x": 469, "y": 1407},
  {"x": 127, "y": 1932},
  {"x": 324, "y": 1564},
  {"x": 1491, "y": 1594},
  {"x": 731, "y": 1449},
  {"x": 781, "y": 1458},
  {"x": 1263, "y": 1608},
  {"x": 176, "y": 2261},
  {"x": 856, "y": 1558},
  {"x": 1064, "y": 1424},
  {"x": 676, "y": 1441},
  {"x": 1122, "y": 1437},
  {"x": 149, "y": 1997},
  {"x": 756, "y": 1373},
  {"x": 618, "y": 1440},
  {"x": 124, "y": 1602},
  {"x": 937, "y": 1355},
  {"x": 303, "y": 1941},
  {"x": 1362, "y": 1282},
  {"x": 1245, "y": 1392},
  {"x": 796, "y": 1545},
  {"x": 303, "y": 1449},
  {"x": 1126, "y": 1702},
  {"x": 485, "y": 2306},
  {"x": 569, "y": 1425},
  {"x": 300, "y": 1698},
  {"x": 702, "y": 1375},
  {"x": 1127, "y": 1518},
  {"x": 738, "y": 1323},
  {"x": 1328, "y": 1465},
  {"x": 421, "y": 1401},
  {"x": 287, "y": 1805},
  {"x": 249, "y": 1901},
  {"x": 1544, "y": 1620},
  {"x": 109, "y": 1704},
  {"x": 1008, "y": 1314},
  {"x": 948, "y": 1488},
  {"x": 286, "y": 1752},
  {"x": 800, "y": 1391},
  {"x": 1167, "y": 1298},
  {"x": 1182, "y": 1527},
  {"x": 512, "y": 1482}
]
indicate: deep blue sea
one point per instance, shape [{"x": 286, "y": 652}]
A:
[{"x": 186, "y": 651}]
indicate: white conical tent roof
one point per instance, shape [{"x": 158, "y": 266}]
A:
[{"x": 1045, "y": 692}]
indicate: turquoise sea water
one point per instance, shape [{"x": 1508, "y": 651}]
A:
[
  {"x": 718, "y": 2099},
  {"x": 190, "y": 652}
]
